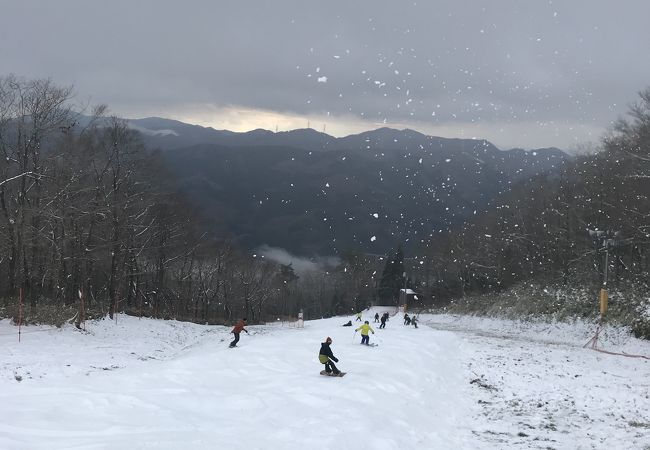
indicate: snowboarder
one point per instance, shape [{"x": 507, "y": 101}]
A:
[
  {"x": 414, "y": 322},
  {"x": 239, "y": 327},
  {"x": 376, "y": 317},
  {"x": 358, "y": 317},
  {"x": 384, "y": 318},
  {"x": 365, "y": 338},
  {"x": 407, "y": 319},
  {"x": 325, "y": 356},
  {"x": 349, "y": 324}
]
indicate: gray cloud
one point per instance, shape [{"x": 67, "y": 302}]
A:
[{"x": 511, "y": 70}]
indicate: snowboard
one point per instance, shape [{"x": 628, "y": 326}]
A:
[{"x": 340, "y": 374}]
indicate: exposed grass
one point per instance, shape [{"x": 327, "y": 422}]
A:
[
  {"x": 55, "y": 315},
  {"x": 628, "y": 305}
]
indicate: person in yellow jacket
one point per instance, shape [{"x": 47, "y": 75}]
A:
[{"x": 365, "y": 328}]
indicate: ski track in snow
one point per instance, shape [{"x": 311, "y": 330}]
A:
[{"x": 453, "y": 383}]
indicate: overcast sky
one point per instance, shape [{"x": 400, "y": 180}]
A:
[{"x": 518, "y": 73}]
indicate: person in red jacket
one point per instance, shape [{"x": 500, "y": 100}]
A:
[{"x": 239, "y": 327}]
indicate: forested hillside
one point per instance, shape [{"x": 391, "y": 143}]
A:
[
  {"x": 89, "y": 224},
  {"x": 314, "y": 194},
  {"x": 582, "y": 226}
]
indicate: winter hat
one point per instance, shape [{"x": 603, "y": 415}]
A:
[
  {"x": 329, "y": 339},
  {"x": 366, "y": 321}
]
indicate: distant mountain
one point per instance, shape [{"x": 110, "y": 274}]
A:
[
  {"x": 167, "y": 134},
  {"x": 185, "y": 135},
  {"x": 312, "y": 193}
]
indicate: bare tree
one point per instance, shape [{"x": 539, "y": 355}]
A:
[{"x": 32, "y": 115}]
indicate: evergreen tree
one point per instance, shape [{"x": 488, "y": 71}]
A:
[{"x": 392, "y": 278}]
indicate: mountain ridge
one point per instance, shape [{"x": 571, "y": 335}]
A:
[
  {"x": 236, "y": 138},
  {"x": 314, "y": 194}
]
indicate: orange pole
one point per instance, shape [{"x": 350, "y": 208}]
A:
[{"x": 603, "y": 302}]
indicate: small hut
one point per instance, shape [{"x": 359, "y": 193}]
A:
[{"x": 407, "y": 297}]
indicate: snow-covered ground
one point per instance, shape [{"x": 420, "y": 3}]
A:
[
  {"x": 539, "y": 388},
  {"x": 453, "y": 383}
]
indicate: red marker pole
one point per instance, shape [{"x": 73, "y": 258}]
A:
[
  {"x": 82, "y": 319},
  {"x": 83, "y": 309},
  {"x": 20, "y": 312}
]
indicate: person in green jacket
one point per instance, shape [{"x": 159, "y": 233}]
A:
[{"x": 365, "y": 328}]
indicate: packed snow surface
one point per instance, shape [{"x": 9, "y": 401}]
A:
[{"x": 453, "y": 383}]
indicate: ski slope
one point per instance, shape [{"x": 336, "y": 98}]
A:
[{"x": 453, "y": 383}]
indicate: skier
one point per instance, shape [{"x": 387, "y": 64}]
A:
[
  {"x": 407, "y": 319},
  {"x": 365, "y": 338},
  {"x": 384, "y": 318},
  {"x": 325, "y": 356},
  {"x": 376, "y": 317},
  {"x": 358, "y": 317},
  {"x": 239, "y": 327},
  {"x": 414, "y": 322}
]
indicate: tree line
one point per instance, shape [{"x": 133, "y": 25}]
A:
[
  {"x": 581, "y": 226},
  {"x": 92, "y": 224},
  {"x": 557, "y": 225}
]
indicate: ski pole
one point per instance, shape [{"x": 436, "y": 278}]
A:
[{"x": 355, "y": 335}]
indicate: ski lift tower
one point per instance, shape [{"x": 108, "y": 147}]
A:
[{"x": 607, "y": 239}]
